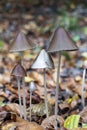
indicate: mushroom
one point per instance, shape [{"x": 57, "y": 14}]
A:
[
  {"x": 60, "y": 41},
  {"x": 32, "y": 88},
  {"x": 43, "y": 61},
  {"x": 82, "y": 50},
  {"x": 20, "y": 44},
  {"x": 83, "y": 83},
  {"x": 19, "y": 72}
]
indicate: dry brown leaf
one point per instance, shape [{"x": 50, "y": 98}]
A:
[
  {"x": 7, "y": 126},
  {"x": 45, "y": 122},
  {"x": 39, "y": 109},
  {"x": 37, "y": 77},
  {"x": 15, "y": 91},
  {"x": 83, "y": 115},
  {"x": 64, "y": 107},
  {"x": 51, "y": 100},
  {"x": 20, "y": 124},
  {"x": 28, "y": 126},
  {"x": 12, "y": 107}
]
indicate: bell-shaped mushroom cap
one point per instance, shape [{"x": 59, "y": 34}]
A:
[
  {"x": 61, "y": 41},
  {"x": 21, "y": 43},
  {"x": 18, "y": 71},
  {"x": 43, "y": 60},
  {"x": 32, "y": 86}
]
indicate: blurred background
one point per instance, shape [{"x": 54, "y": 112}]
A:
[{"x": 39, "y": 18}]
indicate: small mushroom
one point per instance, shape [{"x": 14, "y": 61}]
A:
[
  {"x": 20, "y": 44},
  {"x": 43, "y": 61},
  {"x": 32, "y": 88},
  {"x": 83, "y": 83},
  {"x": 83, "y": 49},
  {"x": 60, "y": 41},
  {"x": 19, "y": 72}
]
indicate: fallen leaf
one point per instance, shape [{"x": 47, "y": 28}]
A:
[
  {"x": 39, "y": 109},
  {"x": 48, "y": 123},
  {"x": 83, "y": 115},
  {"x": 12, "y": 107},
  {"x": 72, "y": 122}
]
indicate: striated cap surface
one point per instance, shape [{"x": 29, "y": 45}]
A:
[
  {"x": 60, "y": 41},
  {"x": 21, "y": 43},
  {"x": 18, "y": 71},
  {"x": 43, "y": 60}
]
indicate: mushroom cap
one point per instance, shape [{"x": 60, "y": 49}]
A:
[
  {"x": 32, "y": 86},
  {"x": 60, "y": 41},
  {"x": 18, "y": 71},
  {"x": 43, "y": 60},
  {"x": 21, "y": 43}
]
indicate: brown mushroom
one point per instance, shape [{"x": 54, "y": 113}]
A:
[
  {"x": 19, "y": 72},
  {"x": 60, "y": 41},
  {"x": 20, "y": 44}
]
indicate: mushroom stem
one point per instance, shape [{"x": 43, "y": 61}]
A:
[
  {"x": 24, "y": 98},
  {"x": 83, "y": 85},
  {"x": 23, "y": 85},
  {"x": 30, "y": 104},
  {"x": 21, "y": 55},
  {"x": 18, "y": 80},
  {"x": 57, "y": 91},
  {"x": 45, "y": 94}
]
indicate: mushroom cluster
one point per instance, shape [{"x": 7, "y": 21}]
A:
[
  {"x": 60, "y": 41},
  {"x": 21, "y": 44}
]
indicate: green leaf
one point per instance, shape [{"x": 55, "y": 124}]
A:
[
  {"x": 84, "y": 29},
  {"x": 64, "y": 53},
  {"x": 1, "y": 44},
  {"x": 84, "y": 54},
  {"x": 76, "y": 38},
  {"x": 72, "y": 122},
  {"x": 1, "y": 104},
  {"x": 84, "y": 125}
]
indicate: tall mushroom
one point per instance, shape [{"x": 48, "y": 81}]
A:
[
  {"x": 20, "y": 44},
  {"x": 60, "y": 41},
  {"x": 19, "y": 72},
  {"x": 32, "y": 88},
  {"x": 43, "y": 61}
]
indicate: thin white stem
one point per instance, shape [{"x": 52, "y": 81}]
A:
[
  {"x": 45, "y": 95},
  {"x": 18, "y": 80},
  {"x": 57, "y": 91},
  {"x": 83, "y": 86},
  {"x": 22, "y": 56},
  {"x": 23, "y": 85},
  {"x": 24, "y": 98},
  {"x": 30, "y": 104}
]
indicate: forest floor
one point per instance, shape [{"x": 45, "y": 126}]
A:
[{"x": 39, "y": 23}]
